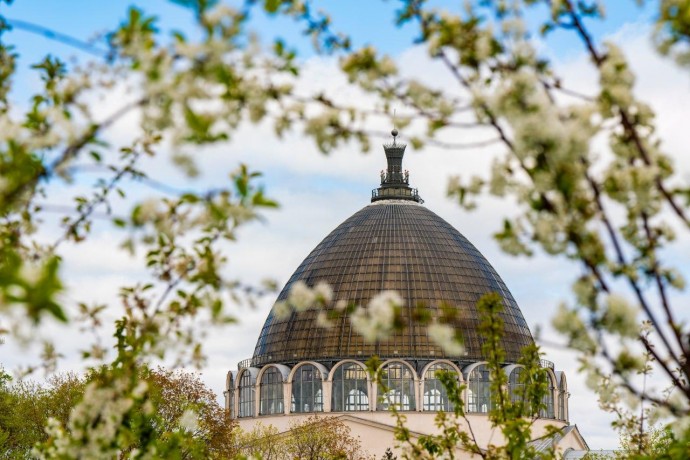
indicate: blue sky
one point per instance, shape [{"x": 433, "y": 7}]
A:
[
  {"x": 368, "y": 22},
  {"x": 318, "y": 193}
]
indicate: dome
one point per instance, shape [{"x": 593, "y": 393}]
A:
[
  {"x": 395, "y": 243},
  {"x": 392, "y": 245}
]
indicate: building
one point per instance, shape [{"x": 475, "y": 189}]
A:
[{"x": 394, "y": 243}]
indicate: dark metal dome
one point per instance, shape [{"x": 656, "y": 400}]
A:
[{"x": 392, "y": 245}]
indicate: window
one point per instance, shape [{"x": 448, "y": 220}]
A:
[
  {"x": 396, "y": 388},
  {"x": 307, "y": 390},
  {"x": 479, "y": 390},
  {"x": 350, "y": 389},
  {"x": 271, "y": 392},
  {"x": 246, "y": 408},
  {"x": 435, "y": 394}
]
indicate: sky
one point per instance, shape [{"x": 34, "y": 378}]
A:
[{"x": 318, "y": 192}]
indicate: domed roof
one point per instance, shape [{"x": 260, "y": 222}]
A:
[
  {"x": 397, "y": 244},
  {"x": 401, "y": 246}
]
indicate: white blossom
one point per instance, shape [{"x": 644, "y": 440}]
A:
[
  {"x": 281, "y": 309},
  {"x": 382, "y": 306},
  {"x": 323, "y": 292},
  {"x": 148, "y": 209},
  {"x": 140, "y": 389},
  {"x": 620, "y": 316},
  {"x": 444, "y": 336},
  {"x": 189, "y": 420},
  {"x": 377, "y": 320},
  {"x": 31, "y": 272},
  {"x": 301, "y": 297},
  {"x": 322, "y": 320}
]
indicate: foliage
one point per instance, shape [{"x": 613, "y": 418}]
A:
[
  {"x": 314, "y": 438},
  {"x": 659, "y": 443},
  {"x": 25, "y": 408},
  {"x": 513, "y": 411},
  {"x": 183, "y": 405},
  {"x": 388, "y": 455},
  {"x": 181, "y": 397}
]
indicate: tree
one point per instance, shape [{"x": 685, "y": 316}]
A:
[
  {"x": 180, "y": 396},
  {"x": 182, "y": 402},
  {"x": 615, "y": 216},
  {"x": 513, "y": 411},
  {"x": 315, "y": 438},
  {"x": 26, "y": 407}
]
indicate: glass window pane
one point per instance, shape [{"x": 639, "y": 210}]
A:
[
  {"x": 435, "y": 394},
  {"x": 479, "y": 390},
  {"x": 271, "y": 392},
  {"x": 246, "y": 401},
  {"x": 350, "y": 389},
  {"x": 396, "y": 388},
  {"x": 307, "y": 391}
]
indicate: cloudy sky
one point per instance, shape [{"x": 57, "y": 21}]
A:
[{"x": 318, "y": 192}]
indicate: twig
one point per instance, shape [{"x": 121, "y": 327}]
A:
[
  {"x": 100, "y": 198},
  {"x": 628, "y": 125},
  {"x": 72, "y": 150},
  {"x": 57, "y": 36}
]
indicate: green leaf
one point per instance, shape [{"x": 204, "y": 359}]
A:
[{"x": 271, "y": 6}]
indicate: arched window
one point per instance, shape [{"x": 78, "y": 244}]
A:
[
  {"x": 307, "y": 390},
  {"x": 479, "y": 390},
  {"x": 516, "y": 386},
  {"x": 435, "y": 394},
  {"x": 396, "y": 388},
  {"x": 350, "y": 389},
  {"x": 271, "y": 392},
  {"x": 246, "y": 401},
  {"x": 547, "y": 401}
]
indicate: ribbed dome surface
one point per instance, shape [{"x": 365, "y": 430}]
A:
[{"x": 392, "y": 245}]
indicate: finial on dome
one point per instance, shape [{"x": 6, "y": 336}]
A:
[{"x": 394, "y": 183}]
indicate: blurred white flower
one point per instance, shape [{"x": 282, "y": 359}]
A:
[
  {"x": 301, "y": 297},
  {"x": 376, "y": 322},
  {"x": 620, "y": 316},
  {"x": 323, "y": 292},
  {"x": 443, "y": 335},
  {"x": 382, "y": 306},
  {"x": 322, "y": 320},
  {"x": 281, "y": 309},
  {"x": 189, "y": 420}
]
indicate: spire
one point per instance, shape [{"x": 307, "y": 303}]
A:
[{"x": 395, "y": 182}]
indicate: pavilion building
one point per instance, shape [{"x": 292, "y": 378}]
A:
[{"x": 300, "y": 368}]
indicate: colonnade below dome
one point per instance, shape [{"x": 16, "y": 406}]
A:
[{"x": 310, "y": 387}]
